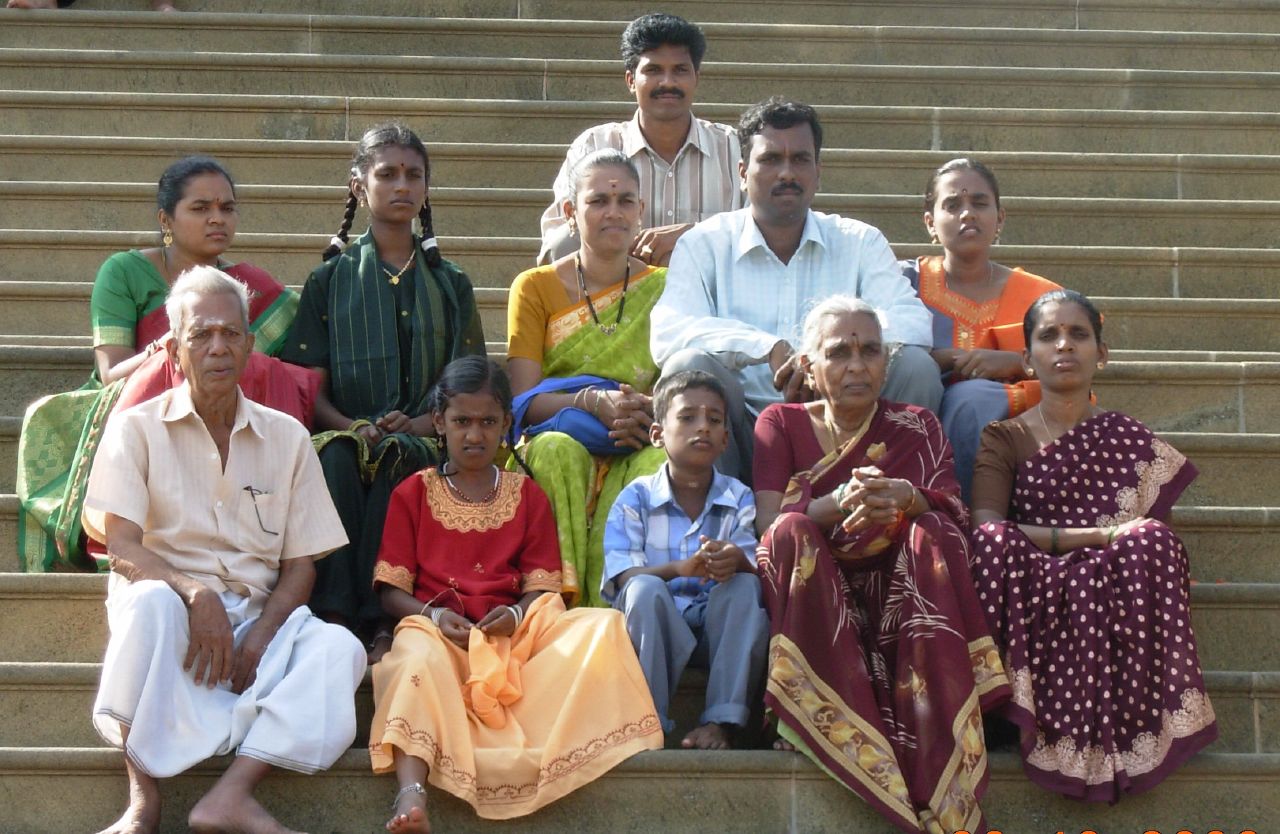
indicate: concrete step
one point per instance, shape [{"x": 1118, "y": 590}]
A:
[
  {"x": 741, "y": 790},
  {"x": 462, "y": 164},
  {"x": 76, "y": 254},
  {"x": 456, "y": 119},
  {"x": 49, "y": 704},
  {"x": 59, "y": 618},
  {"x": 1175, "y": 272},
  {"x": 58, "y": 309},
  {"x": 1176, "y": 15},
  {"x": 382, "y": 34},
  {"x": 1194, "y": 396},
  {"x": 1236, "y": 470},
  {"x": 482, "y": 211},
  {"x": 1236, "y": 544},
  {"x": 571, "y": 79}
]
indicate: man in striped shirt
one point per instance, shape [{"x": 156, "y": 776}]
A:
[{"x": 688, "y": 166}]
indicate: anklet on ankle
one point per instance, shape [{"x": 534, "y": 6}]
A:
[{"x": 415, "y": 787}]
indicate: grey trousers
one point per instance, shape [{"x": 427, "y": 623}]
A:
[
  {"x": 728, "y": 634},
  {"x": 912, "y": 377}
]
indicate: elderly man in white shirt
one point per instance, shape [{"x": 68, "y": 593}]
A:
[
  {"x": 213, "y": 508},
  {"x": 740, "y": 283},
  {"x": 688, "y": 166}
]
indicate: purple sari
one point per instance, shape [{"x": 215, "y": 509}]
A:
[
  {"x": 880, "y": 661},
  {"x": 1107, "y": 687}
]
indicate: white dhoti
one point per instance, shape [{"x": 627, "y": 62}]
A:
[{"x": 298, "y": 714}]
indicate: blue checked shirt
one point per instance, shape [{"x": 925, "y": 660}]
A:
[{"x": 647, "y": 527}]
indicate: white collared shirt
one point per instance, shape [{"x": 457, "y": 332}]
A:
[
  {"x": 158, "y": 466},
  {"x": 702, "y": 180},
  {"x": 728, "y": 294}
]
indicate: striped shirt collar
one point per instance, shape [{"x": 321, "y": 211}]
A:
[
  {"x": 633, "y": 141},
  {"x": 720, "y": 494}
]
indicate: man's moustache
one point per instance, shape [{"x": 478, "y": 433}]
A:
[
  {"x": 672, "y": 92},
  {"x": 782, "y": 189}
]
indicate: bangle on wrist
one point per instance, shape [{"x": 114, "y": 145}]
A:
[
  {"x": 837, "y": 495},
  {"x": 1111, "y": 535},
  {"x": 1053, "y": 540},
  {"x": 356, "y": 425}
]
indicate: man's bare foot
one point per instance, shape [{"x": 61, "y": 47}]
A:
[
  {"x": 410, "y": 816},
  {"x": 783, "y": 745},
  {"x": 35, "y": 4},
  {"x": 218, "y": 813},
  {"x": 138, "y": 818},
  {"x": 163, "y": 6},
  {"x": 710, "y": 736}
]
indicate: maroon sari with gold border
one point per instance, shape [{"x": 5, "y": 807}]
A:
[
  {"x": 1107, "y": 687},
  {"x": 879, "y": 665}
]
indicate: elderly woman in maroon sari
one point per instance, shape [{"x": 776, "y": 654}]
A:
[
  {"x": 880, "y": 661},
  {"x": 1086, "y": 589}
]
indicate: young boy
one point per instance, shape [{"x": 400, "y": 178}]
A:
[{"x": 680, "y": 563}]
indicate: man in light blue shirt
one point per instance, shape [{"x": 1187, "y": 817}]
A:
[
  {"x": 741, "y": 282},
  {"x": 680, "y": 564}
]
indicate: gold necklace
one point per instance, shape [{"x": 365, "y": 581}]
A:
[
  {"x": 466, "y": 499},
  {"x": 857, "y": 433},
  {"x": 1050, "y": 435},
  {"x": 394, "y": 279}
]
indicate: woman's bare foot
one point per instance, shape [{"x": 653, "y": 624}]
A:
[
  {"x": 162, "y": 6},
  {"x": 410, "y": 816},
  {"x": 35, "y": 4},
  {"x": 218, "y": 813},
  {"x": 783, "y": 745},
  {"x": 710, "y": 736}
]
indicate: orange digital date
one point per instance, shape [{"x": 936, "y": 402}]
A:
[{"x": 1148, "y": 831}]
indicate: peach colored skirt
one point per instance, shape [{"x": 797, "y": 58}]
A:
[{"x": 513, "y": 724}]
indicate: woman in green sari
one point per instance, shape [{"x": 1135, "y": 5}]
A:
[
  {"x": 380, "y": 319},
  {"x": 196, "y": 202},
  {"x": 579, "y": 361}
]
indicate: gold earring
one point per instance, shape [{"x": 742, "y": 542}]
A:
[
  {"x": 1102, "y": 365},
  {"x": 167, "y": 238},
  {"x": 933, "y": 238},
  {"x": 1031, "y": 372},
  {"x": 997, "y": 239}
]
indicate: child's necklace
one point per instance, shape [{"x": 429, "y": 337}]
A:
[{"x": 466, "y": 499}]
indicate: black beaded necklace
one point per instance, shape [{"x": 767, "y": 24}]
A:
[{"x": 607, "y": 330}]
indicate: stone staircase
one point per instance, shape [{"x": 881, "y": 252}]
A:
[{"x": 1136, "y": 149}]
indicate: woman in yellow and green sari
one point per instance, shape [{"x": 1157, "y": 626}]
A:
[{"x": 579, "y": 361}]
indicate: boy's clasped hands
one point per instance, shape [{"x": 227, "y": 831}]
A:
[{"x": 716, "y": 560}]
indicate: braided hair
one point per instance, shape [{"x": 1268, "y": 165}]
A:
[{"x": 381, "y": 136}]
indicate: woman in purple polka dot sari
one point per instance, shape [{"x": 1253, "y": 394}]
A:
[{"x": 1084, "y": 585}]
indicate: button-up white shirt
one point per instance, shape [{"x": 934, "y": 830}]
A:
[
  {"x": 728, "y": 294},
  {"x": 158, "y": 466},
  {"x": 701, "y": 181}
]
